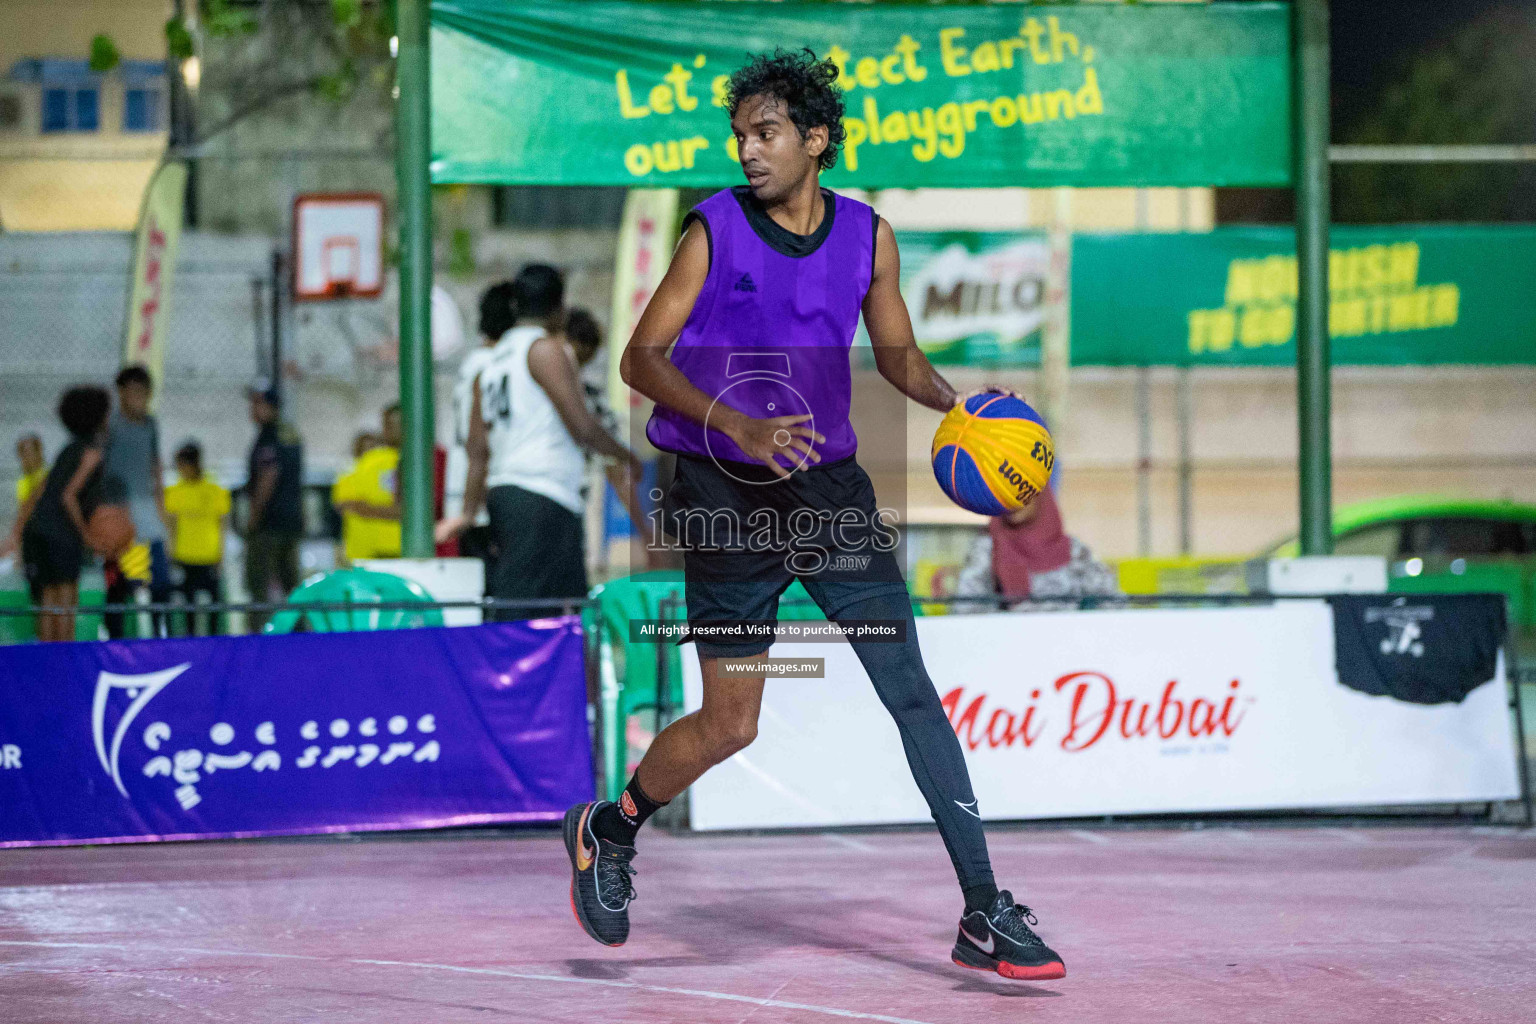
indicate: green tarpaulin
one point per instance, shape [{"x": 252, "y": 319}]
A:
[
  {"x": 606, "y": 92},
  {"x": 1400, "y": 294}
]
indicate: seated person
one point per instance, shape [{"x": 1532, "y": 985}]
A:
[{"x": 1027, "y": 554}]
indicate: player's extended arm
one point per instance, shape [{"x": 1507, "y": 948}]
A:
[
  {"x": 897, "y": 356},
  {"x": 646, "y": 368},
  {"x": 552, "y": 368},
  {"x": 89, "y": 460}
]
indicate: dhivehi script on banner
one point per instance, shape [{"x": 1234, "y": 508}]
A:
[
  {"x": 221, "y": 737},
  {"x": 632, "y": 92},
  {"x": 1062, "y": 714}
]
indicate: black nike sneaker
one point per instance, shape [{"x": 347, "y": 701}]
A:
[
  {"x": 601, "y": 886},
  {"x": 1000, "y": 940}
]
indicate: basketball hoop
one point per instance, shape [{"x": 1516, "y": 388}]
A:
[{"x": 338, "y": 245}]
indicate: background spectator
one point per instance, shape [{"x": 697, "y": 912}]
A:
[
  {"x": 29, "y": 453},
  {"x": 275, "y": 520},
  {"x": 368, "y": 495},
  {"x": 496, "y": 318},
  {"x": 529, "y": 423},
  {"x": 1027, "y": 553},
  {"x": 356, "y": 530},
  {"x": 131, "y": 462},
  {"x": 53, "y": 536},
  {"x": 197, "y": 507}
]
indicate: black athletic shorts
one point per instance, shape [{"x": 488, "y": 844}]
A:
[
  {"x": 540, "y": 551},
  {"x": 746, "y": 534},
  {"x": 51, "y": 557}
]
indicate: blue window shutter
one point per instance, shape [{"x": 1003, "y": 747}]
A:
[
  {"x": 135, "y": 110},
  {"x": 55, "y": 110},
  {"x": 87, "y": 110}
]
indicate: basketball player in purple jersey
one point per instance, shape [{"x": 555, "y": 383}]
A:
[{"x": 759, "y": 308}]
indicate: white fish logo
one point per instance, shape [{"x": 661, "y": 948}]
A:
[{"x": 141, "y": 689}]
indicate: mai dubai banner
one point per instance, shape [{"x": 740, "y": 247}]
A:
[
  {"x": 226, "y": 737},
  {"x": 1417, "y": 294},
  {"x": 1117, "y": 711},
  {"x": 631, "y": 92}
]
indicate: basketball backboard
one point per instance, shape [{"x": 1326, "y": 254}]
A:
[{"x": 338, "y": 245}]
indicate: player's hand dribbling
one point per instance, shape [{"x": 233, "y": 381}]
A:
[{"x": 781, "y": 437}]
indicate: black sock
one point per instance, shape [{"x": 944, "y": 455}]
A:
[
  {"x": 618, "y": 822},
  {"x": 979, "y": 897}
]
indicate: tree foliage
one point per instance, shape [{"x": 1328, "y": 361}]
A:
[
  {"x": 268, "y": 51},
  {"x": 1475, "y": 87}
]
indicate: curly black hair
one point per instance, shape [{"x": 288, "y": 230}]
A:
[
  {"x": 806, "y": 85},
  {"x": 83, "y": 410}
]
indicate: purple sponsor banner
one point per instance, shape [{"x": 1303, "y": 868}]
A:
[{"x": 283, "y": 735}]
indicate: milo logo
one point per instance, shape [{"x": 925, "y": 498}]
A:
[{"x": 1022, "y": 489}]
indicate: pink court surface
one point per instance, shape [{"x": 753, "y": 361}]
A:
[{"x": 1252, "y": 923}]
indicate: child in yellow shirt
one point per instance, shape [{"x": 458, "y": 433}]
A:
[
  {"x": 197, "y": 507},
  {"x": 367, "y": 495}
]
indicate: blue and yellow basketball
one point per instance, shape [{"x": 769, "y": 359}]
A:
[{"x": 992, "y": 454}]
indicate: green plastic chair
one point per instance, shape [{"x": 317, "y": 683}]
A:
[
  {"x": 359, "y": 587},
  {"x": 627, "y": 673}
]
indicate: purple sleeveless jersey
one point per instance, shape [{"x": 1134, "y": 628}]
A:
[{"x": 770, "y": 331}]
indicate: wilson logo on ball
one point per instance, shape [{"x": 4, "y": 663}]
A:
[{"x": 1022, "y": 488}]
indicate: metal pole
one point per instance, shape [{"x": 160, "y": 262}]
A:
[
  {"x": 181, "y": 125},
  {"x": 1186, "y": 462},
  {"x": 279, "y": 281},
  {"x": 413, "y": 151},
  {"x": 1309, "y": 74},
  {"x": 1144, "y": 461}
]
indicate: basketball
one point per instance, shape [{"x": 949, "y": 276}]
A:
[
  {"x": 992, "y": 454},
  {"x": 110, "y": 530}
]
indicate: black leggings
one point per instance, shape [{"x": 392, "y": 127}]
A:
[{"x": 933, "y": 750}]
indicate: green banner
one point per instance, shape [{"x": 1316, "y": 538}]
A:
[
  {"x": 625, "y": 92},
  {"x": 976, "y": 297},
  {"x": 1399, "y": 295}
]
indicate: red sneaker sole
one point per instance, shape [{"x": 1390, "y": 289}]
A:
[
  {"x": 1041, "y": 972},
  {"x": 1044, "y": 972}
]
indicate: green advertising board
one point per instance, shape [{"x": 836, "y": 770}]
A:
[
  {"x": 1398, "y": 295},
  {"x": 976, "y": 297},
  {"x": 630, "y": 92}
]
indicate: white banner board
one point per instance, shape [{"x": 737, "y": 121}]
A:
[{"x": 1111, "y": 712}]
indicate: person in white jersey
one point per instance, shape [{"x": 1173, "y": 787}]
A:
[
  {"x": 495, "y": 321},
  {"x": 527, "y": 428}
]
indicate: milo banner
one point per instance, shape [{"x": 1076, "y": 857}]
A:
[
  {"x": 1401, "y": 294},
  {"x": 609, "y": 92},
  {"x": 285, "y": 735},
  {"x": 978, "y": 297}
]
